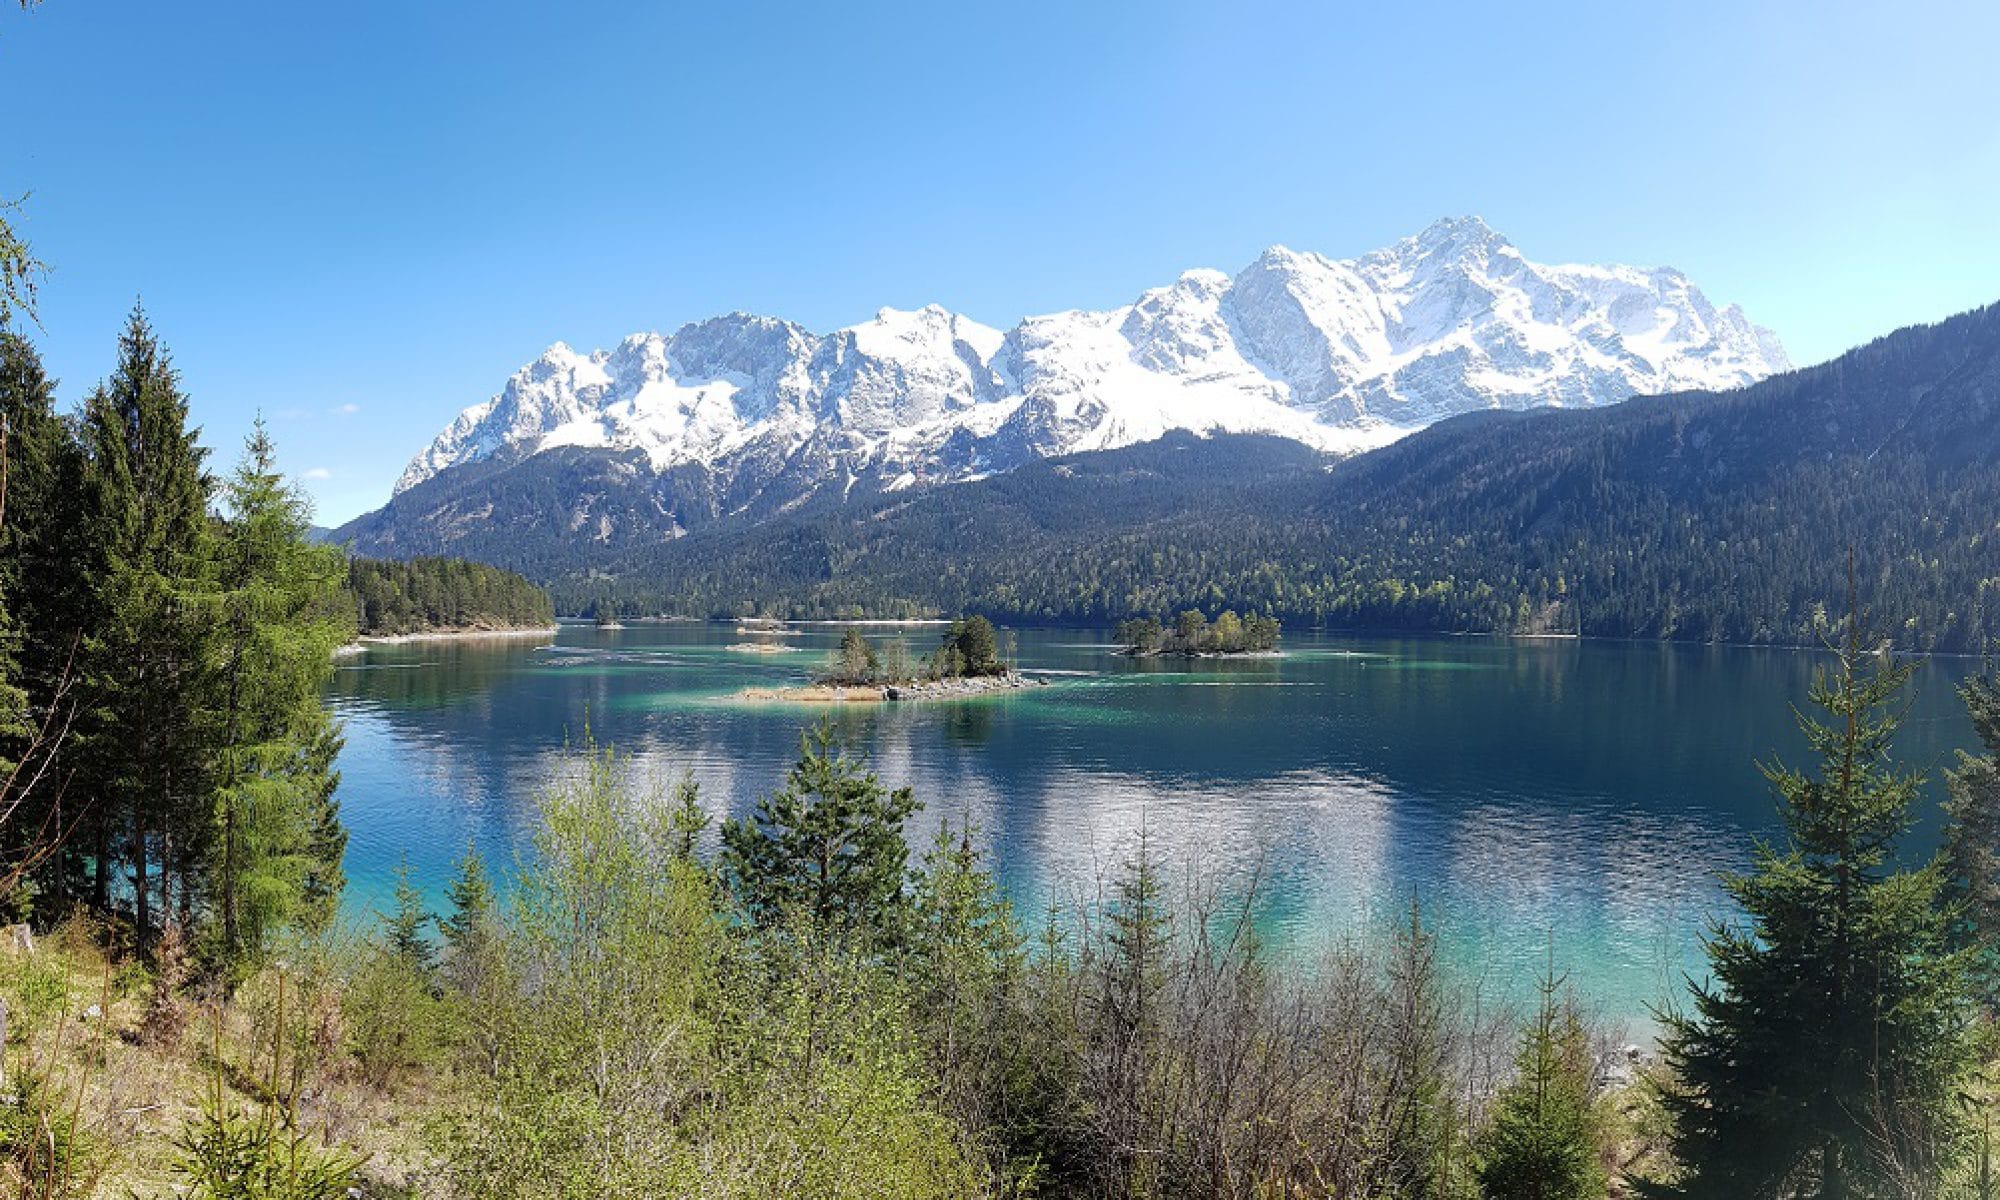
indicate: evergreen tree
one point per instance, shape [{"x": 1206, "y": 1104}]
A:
[
  {"x": 964, "y": 961},
  {"x": 143, "y": 755},
  {"x": 687, "y": 822},
  {"x": 403, "y": 927},
  {"x": 326, "y": 844},
  {"x": 280, "y": 616},
  {"x": 977, "y": 646},
  {"x": 1543, "y": 1140},
  {"x": 828, "y": 846},
  {"x": 42, "y": 590},
  {"x": 1972, "y": 842},
  {"x": 1419, "y": 1127},
  {"x": 1823, "y": 1058},
  {"x": 471, "y": 896},
  {"x": 854, "y": 661},
  {"x": 1128, "y": 1019}
]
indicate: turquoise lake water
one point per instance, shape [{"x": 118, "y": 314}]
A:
[{"x": 1527, "y": 793}]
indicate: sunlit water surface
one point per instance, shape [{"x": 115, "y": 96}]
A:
[{"x": 1529, "y": 794}]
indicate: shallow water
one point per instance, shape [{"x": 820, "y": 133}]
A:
[{"x": 1528, "y": 793}]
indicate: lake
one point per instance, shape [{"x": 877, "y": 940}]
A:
[{"x": 1527, "y": 793}]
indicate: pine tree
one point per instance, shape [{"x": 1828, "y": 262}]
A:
[
  {"x": 319, "y": 892},
  {"x": 1543, "y": 1140},
  {"x": 1823, "y": 1058},
  {"x": 403, "y": 926},
  {"x": 964, "y": 958},
  {"x": 827, "y": 847},
  {"x": 280, "y": 615},
  {"x": 854, "y": 661},
  {"x": 1972, "y": 842},
  {"x": 471, "y": 896},
  {"x": 41, "y": 591},
  {"x": 687, "y": 822},
  {"x": 1419, "y": 1125},
  {"x": 146, "y": 650},
  {"x": 1128, "y": 1016}
]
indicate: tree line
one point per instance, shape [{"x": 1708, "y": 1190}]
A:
[
  {"x": 796, "y": 1003},
  {"x": 1192, "y": 633},
  {"x": 1704, "y": 517},
  {"x": 167, "y": 634},
  {"x": 421, "y": 595}
]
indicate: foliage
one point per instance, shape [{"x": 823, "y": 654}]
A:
[
  {"x": 1698, "y": 517},
  {"x": 422, "y": 594},
  {"x": 146, "y": 752},
  {"x": 392, "y": 1016},
  {"x": 854, "y": 661},
  {"x": 175, "y": 636},
  {"x": 1971, "y": 854},
  {"x": 1193, "y": 634},
  {"x": 278, "y": 619},
  {"x": 260, "y": 1152},
  {"x": 20, "y": 270},
  {"x": 1825, "y": 1056},
  {"x": 403, "y": 926},
  {"x": 1543, "y": 1139},
  {"x": 827, "y": 848},
  {"x": 43, "y": 1146}
]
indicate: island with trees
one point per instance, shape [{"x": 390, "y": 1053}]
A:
[
  {"x": 968, "y": 660},
  {"x": 803, "y": 1005},
  {"x": 1193, "y": 635}
]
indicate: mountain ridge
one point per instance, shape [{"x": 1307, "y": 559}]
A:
[
  {"x": 1339, "y": 355},
  {"x": 1698, "y": 516}
]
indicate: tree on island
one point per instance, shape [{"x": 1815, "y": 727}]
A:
[
  {"x": 855, "y": 661},
  {"x": 969, "y": 648},
  {"x": 1193, "y": 634}
]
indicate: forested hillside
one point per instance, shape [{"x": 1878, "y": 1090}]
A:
[
  {"x": 1703, "y": 516},
  {"x": 426, "y": 594}
]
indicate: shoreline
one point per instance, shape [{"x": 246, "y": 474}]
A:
[
  {"x": 366, "y": 641},
  {"x": 1130, "y": 653},
  {"x": 893, "y": 693}
]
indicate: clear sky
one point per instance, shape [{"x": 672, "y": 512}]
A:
[{"x": 361, "y": 218}]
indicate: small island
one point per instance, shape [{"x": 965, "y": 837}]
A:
[
  {"x": 1192, "y": 635},
  {"x": 967, "y": 662}
]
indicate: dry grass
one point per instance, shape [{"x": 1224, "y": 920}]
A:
[{"x": 78, "y": 1008}]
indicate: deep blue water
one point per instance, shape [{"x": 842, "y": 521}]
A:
[{"x": 1527, "y": 793}]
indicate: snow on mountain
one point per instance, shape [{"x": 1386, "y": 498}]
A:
[{"x": 1339, "y": 355}]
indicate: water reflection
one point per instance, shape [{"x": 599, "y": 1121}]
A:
[{"x": 1525, "y": 791}]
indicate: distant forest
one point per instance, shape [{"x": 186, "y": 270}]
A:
[
  {"x": 1699, "y": 517},
  {"x": 427, "y": 594}
]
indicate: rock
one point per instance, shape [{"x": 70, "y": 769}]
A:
[
  {"x": 93, "y": 1013},
  {"x": 892, "y": 693},
  {"x": 18, "y": 937}
]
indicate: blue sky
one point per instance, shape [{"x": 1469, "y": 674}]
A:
[{"x": 361, "y": 218}]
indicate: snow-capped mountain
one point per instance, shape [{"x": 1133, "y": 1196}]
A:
[{"x": 1339, "y": 355}]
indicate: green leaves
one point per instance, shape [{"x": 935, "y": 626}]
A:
[{"x": 827, "y": 847}]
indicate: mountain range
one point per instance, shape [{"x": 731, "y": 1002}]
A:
[
  {"x": 1703, "y": 516},
  {"x": 745, "y": 417}
]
